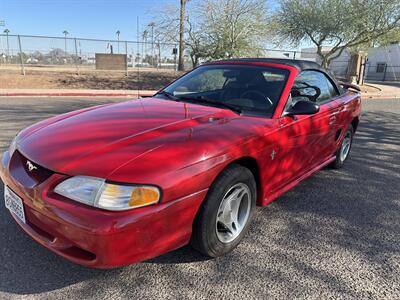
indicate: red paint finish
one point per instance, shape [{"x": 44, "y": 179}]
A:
[{"x": 179, "y": 147}]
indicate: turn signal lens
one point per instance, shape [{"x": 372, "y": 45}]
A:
[
  {"x": 123, "y": 197},
  {"x": 142, "y": 196}
]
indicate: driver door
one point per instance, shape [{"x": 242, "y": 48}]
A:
[{"x": 306, "y": 141}]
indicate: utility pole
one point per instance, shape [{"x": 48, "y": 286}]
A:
[
  {"x": 159, "y": 54},
  {"x": 181, "y": 66},
  {"x": 138, "y": 50},
  {"x": 65, "y": 42},
  {"x": 7, "y": 31},
  {"x": 118, "y": 33}
]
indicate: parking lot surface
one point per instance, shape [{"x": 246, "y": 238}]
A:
[{"x": 337, "y": 234}]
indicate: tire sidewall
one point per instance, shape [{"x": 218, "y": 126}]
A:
[
  {"x": 339, "y": 162},
  {"x": 209, "y": 210}
]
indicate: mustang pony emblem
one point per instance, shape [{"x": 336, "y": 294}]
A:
[
  {"x": 31, "y": 166},
  {"x": 273, "y": 155}
]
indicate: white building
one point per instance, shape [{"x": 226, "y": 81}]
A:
[
  {"x": 338, "y": 66},
  {"x": 383, "y": 63}
]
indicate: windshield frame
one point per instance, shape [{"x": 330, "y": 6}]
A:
[{"x": 289, "y": 75}]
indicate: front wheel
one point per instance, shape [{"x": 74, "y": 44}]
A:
[
  {"x": 225, "y": 214},
  {"x": 343, "y": 153}
]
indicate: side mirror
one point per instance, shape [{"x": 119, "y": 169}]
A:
[{"x": 302, "y": 107}]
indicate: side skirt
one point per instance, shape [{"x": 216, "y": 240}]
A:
[{"x": 295, "y": 182}]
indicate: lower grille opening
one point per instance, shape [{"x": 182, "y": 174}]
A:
[
  {"x": 42, "y": 233},
  {"x": 79, "y": 253},
  {"x": 72, "y": 251}
]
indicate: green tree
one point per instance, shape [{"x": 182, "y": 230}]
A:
[{"x": 340, "y": 24}]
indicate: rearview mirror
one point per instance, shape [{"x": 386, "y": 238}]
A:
[{"x": 302, "y": 107}]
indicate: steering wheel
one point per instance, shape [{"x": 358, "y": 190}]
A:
[{"x": 257, "y": 96}]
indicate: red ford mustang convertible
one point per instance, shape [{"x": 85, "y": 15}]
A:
[{"x": 115, "y": 184}]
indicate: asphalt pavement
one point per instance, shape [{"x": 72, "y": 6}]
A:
[{"x": 335, "y": 235}]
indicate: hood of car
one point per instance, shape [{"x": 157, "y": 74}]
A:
[{"x": 97, "y": 141}]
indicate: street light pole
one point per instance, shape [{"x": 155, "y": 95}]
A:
[{"x": 118, "y": 33}]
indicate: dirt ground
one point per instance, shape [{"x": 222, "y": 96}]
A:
[
  {"x": 62, "y": 77},
  {"x": 65, "y": 77}
]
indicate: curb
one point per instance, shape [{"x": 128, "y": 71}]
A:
[
  {"x": 380, "y": 97},
  {"x": 76, "y": 94},
  {"x": 373, "y": 86}
]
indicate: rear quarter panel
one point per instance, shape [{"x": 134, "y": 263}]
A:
[{"x": 349, "y": 108}]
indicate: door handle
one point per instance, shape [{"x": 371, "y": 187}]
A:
[{"x": 332, "y": 120}]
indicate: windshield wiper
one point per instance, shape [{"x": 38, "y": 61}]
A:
[
  {"x": 168, "y": 95},
  {"x": 202, "y": 99}
]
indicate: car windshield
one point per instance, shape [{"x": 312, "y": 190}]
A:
[{"x": 245, "y": 89}]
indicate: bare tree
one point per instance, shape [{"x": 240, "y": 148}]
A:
[
  {"x": 234, "y": 27},
  {"x": 168, "y": 27},
  {"x": 216, "y": 28},
  {"x": 340, "y": 24}
]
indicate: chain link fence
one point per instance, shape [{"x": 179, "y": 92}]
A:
[
  {"x": 73, "y": 52},
  {"x": 67, "y": 62}
]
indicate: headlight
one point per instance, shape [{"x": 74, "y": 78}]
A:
[
  {"x": 99, "y": 193},
  {"x": 13, "y": 146}
]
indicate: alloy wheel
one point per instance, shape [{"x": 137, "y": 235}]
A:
[
  {"x": 233, "y": 213},
  {"x": 346, "y": 144}
]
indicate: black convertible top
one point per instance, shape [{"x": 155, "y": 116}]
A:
[{"x": 297, "y": 63}]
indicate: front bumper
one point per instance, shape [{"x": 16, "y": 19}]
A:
[{"x": 97, "y": 238}]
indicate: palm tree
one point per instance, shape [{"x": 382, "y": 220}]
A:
[
  {"x": 7, "y": 31},
  {"x": 65, "y": 41},
  {"x": 118, "y": 33}
]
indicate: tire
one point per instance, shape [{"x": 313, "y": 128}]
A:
[
  {"x": 211, "y": 236},
  {"x": 342, "y": 154}
]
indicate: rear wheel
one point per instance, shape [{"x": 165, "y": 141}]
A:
[
  {"x": 343, "y": 153},
  {"x": 225, "y": 214}
]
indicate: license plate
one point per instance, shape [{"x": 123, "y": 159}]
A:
[{"x": 14, "y": 203}]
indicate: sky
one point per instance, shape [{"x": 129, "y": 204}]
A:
[
  {"x": 95, "y": 19},
  {"x": 81, "y": 18}
]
